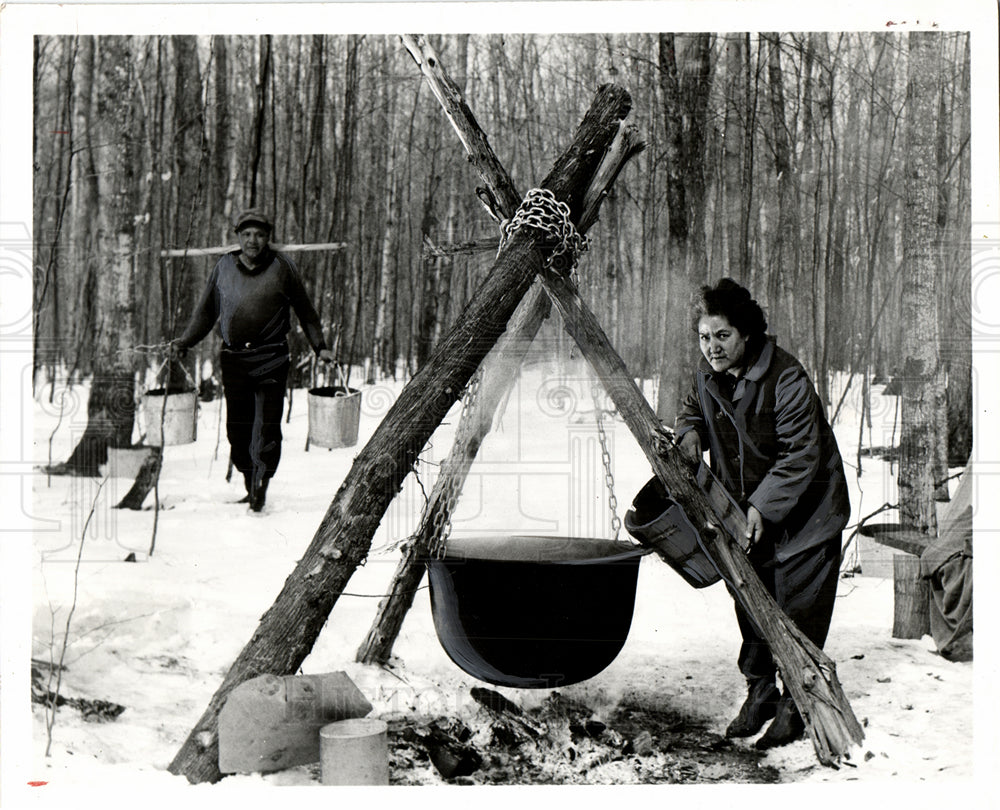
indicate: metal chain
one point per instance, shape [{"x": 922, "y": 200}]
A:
[
  {"x": 541, "y": 210},
  {"x": 609, "y": 478},
  {"x": 452, "y": 487}
]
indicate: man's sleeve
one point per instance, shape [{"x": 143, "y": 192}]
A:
[
  {"x": 205, "y": 313},
  {"x": 303, "y": 307},
  {"x": 796, "y": 414}
]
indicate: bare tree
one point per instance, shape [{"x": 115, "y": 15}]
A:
[
  {"x": 111, "y": 407},
  {"x": 922, "y": 378},
  {"x": 685, "y": 85}
]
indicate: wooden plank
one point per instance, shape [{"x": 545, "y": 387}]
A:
[
  {"x": 311, "y": 247},
  {"x": 898, "y": 537}
]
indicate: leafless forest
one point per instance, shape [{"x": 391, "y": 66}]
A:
[{"x": 829, "y": 172}]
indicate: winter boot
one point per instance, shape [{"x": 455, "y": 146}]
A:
[
  {"x": 786, "y": 727},
  {"x": 258, "y": 496},
  {"x": 248, "y": 483},
  {"x": 759, "y": 707}
]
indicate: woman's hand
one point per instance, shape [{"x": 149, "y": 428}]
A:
[
  {"x": 755, "y": 525},
  {"x": 690, "y": 447},
  {"x": 176, "y": 350}
]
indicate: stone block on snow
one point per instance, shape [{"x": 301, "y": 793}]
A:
[{"x": 270, "y": 723}]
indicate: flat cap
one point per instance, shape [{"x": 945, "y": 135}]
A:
[{"x": 254, "y": 216}]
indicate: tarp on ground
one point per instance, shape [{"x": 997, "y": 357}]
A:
[{"x": 947, "y": 566}]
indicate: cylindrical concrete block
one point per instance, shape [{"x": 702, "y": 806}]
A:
[{"x": 354, "y": 752}]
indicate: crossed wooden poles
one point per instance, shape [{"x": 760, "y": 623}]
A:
[{"x": 581, "y": 177}]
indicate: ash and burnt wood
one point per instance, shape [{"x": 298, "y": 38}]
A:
[
  {"x": 500, "y": 365},
  {"x": 807, "y": 672},
  {"x": 288, "y": 630}
]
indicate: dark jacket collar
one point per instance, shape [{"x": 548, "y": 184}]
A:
[{"x": 758, "y": 367}]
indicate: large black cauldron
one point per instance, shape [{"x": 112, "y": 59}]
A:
[{"x": 533, "y": 612}]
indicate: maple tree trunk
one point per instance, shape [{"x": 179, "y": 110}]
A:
[{"x": 911, "y": 616}]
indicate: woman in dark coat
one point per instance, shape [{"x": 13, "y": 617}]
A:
[{"x": 755, "y": 410}]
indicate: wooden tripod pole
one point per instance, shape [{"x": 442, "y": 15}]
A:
[
  {"x": 288, "y": 630},
  {"x": 809, "y": 674},
  {"x": 500, "y": 365}
]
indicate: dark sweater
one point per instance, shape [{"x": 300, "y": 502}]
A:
[{"x": 252, "y": 306}]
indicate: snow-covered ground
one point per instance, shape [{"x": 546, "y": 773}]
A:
[{"x": 158, "y": 635}]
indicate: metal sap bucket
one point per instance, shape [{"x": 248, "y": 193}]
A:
[
  {"x": 657, "y": 522},
  {"x": 354, "y": 752},
  {"x": 180, "y": 420},
  {"x": 334, "y": 415}
]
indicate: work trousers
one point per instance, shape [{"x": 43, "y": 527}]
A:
[
  {"x": 805, "y": 588},
  {"x": 254, "y": 384}
]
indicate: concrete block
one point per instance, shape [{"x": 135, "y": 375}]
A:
[{"x": 270, "y": 723}]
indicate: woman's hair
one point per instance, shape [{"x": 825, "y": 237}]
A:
[{"x": 733, "y": 302}]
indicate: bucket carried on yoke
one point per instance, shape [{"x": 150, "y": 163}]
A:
[
  {"x": 334, "y": 414},
  {"x": 171, "y": 414}
]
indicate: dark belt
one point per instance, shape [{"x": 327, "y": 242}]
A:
[{"x": 250, "y": 346}]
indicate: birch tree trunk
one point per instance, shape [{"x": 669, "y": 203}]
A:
[{"x": 922, "y": 382}]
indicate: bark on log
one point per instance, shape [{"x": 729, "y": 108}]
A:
[
  {"x": 901, "y": 538},
  {"x": 911, "y": 598},
  {"x": 288, "y": 630},
  {"x": 806, "y": 671},
  {"x": 499, "y": 187},
  {"x": 499, "y": 367},
  {"x": 459, "y": 248}
]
